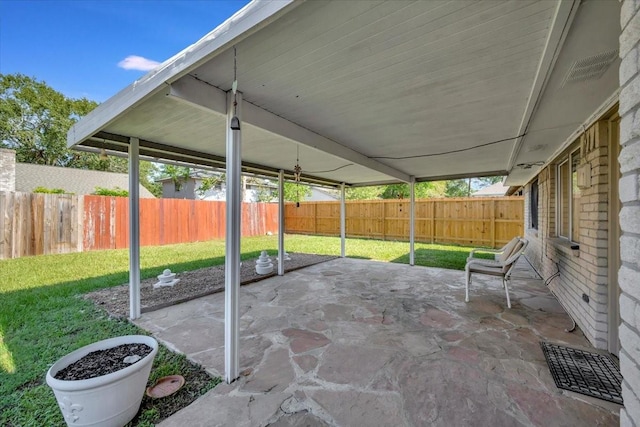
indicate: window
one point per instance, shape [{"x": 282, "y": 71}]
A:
[
  {"x": 533, "y": 205},
  {"x": 569, "y": 198}
]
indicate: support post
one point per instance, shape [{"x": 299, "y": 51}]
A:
[
  {"x": 281, "y": 223},
  {"x": 134, "y": 228},
  {"x": 412, "y": 220},
  {"x": 232, "y": 239},
  {"x": 493, "y": 223},
  {"x": 343, "y": 222}
]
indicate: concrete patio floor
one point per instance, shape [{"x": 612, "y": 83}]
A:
[{"x": 362, "y": 343}]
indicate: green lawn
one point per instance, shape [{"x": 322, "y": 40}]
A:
[{"x": 42, "y": 317}]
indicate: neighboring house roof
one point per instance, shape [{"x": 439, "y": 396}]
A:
[
  {"x": 320, "y": 195},
  {"x": 76, "y": 181},
  {"x": 493, "y": 190}
]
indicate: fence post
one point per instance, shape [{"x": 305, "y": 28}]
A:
[
  {"x": 493, "y": 223},
  {"x": 315, "y": 217},
  {"x": 433, "y": 221},
  {"x": 384, "y": 220}
]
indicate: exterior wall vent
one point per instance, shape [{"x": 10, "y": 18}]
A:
[{"x": 590, "y": 68}]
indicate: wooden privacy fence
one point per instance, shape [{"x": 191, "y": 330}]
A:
[
  {"x": 167, "y": 221},
  {"x": 36, "y": 224},
  {"x": 477, "y": 221}
]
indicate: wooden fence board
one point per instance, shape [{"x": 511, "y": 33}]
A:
[
  {"x": 466, "y": 221},
  {"x": 33, "y": 224},
  {"x": 169, "y": 221}
]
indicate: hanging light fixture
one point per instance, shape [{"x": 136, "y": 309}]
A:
[{"x": 235, "y": 122}]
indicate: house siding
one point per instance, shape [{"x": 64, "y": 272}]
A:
[
  {"x": 583, "y": 271},
  {"x": 629, "y": 159},
  {"x": 187, "y": 189}
]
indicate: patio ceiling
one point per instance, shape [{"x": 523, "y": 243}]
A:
[{"x": 377, "y": 91}]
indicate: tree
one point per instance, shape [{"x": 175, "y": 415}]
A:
[
  {"x": 364, "y": 193},
  {"x": 294, "y": 192},
  {"x": 178, "y": 174},
  {"x": 35, "y": 119},
  {"x": 210, "y": 182},
  {"x": 465, "y": 187},
  {"x": 422, "y": 190},
  {"x": 458, "y": 188},
  {"x": 487, "y": 180}
]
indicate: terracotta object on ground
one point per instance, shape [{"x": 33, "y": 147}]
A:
[{"x": 165, "y": 386}]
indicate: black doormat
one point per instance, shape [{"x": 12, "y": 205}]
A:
[{"x": 584, "y": 372}]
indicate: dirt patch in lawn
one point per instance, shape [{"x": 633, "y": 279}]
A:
[{"x": 193, "y": 284}]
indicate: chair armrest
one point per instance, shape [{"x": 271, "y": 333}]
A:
[
  {"x": 492, "y": 251},
  {"x": 513, "y": 258},
  {"x": 486, "y": 262}
]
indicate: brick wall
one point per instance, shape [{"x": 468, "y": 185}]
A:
[
  {"x": 7, "y": 170},
  {"x": 583, "y": 271},
  {"x": 629, "y": 274}
]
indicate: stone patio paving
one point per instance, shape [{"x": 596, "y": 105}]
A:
[{"x": 363, "y": 343}]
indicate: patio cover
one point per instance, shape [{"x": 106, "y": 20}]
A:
[
  {"x": 377, "y": 91},
  {"x": 364, "y": 92}
]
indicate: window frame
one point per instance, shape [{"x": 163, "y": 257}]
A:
[
  {"x": 534, "y": 221},
  {"x": 568, "y": 160}
]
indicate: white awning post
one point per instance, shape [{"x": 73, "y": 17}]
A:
[
  {"x": 134, "y": 228},
  {"x": 232, "y": 238},
  {"x": 412, "y": 219},
  {"x": 281, "y": 223},
  {"x": 343, "y": 221}
]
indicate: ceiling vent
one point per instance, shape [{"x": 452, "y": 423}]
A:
[{"x": 590, "y": 68}]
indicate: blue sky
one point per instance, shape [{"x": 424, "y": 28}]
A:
[{"x": 83, "y": 48}]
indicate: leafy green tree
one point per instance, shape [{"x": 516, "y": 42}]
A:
[
  {"x": 148, "y": 171},
  {"x": 458, "y": 188},
  {"x": 486, "y": 181},
  {"x": 364, "y": 193},
  {"x": 395, "y": 191},
  {"x": 465, "y": 187},
  {"x": 294, "y": 192},
  {"x": 178, "y": 174},
  {"x": 423, "y": 190},
  {"x": 35, "y": 119},
  {"x": 210, "y": 182},
  {"x": 265, "y": 194}
]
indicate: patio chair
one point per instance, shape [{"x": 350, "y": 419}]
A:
[
  {"x": 500, "y": 267},
  {"x": 508, "y": 248}
]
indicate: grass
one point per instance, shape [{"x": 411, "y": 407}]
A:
[{"x": 43, "y": 318}]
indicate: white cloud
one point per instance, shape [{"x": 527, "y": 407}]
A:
[{"x": 134, "y": 62}]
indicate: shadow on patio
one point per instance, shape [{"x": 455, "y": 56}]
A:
[{"x": 362, "y": 343}]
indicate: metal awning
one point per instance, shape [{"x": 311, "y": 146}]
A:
[
  {"x": 376, "y": 91},
  {"x": 364, "y": 92}
]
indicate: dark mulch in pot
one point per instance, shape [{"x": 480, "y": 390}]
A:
[{"x": 103, "y": 362}]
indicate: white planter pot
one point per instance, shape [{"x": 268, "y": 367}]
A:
[{"x": 109, "y": 400}]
